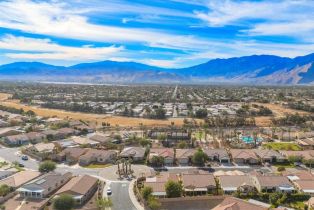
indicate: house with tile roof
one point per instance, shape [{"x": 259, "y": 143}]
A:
[
  {"x": 44, "y": 185},
  {"x": 184, "y": 156},
  {"x": 232, "y": 203},
  {"x": 244, "y": 156},
  {"x": 20, "y": 178},
  {"x": 166, "y": 153},
  {"x": 220, "y": 155},
  {"x": 233, "y": 183},
  {"x": 81, "y": 188}
]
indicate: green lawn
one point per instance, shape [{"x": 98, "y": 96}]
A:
[
  {"x": 286, "y": 165},
  {"x": 297, "y": 205},
  {"x": 282, "y": 146},
  {"x": 98, "y": 166}
]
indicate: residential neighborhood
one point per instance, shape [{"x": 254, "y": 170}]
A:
[{"x": 216, "y": 163}]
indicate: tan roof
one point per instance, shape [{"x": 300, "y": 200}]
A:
[
  {"x": 235, "y": 181},
  {"x": 163, "y": 152},
  {"x": 267, "y": 153},
  {"x": 198, "y": 180},
  {"x": 83, "y": 140},
  {"x": 34, "y": 135},
  {"x": 184, "y": 153},
  {"x": 133, "y": 152},
  {"x": 243, "y": 153},
  {"x": 273, "y": 180},
  {"x": 301, "y": 174},
  {"x": 156, "y": 186},
  {"x": 305, "y": 184},
  {"x": 221, "y": 153},
  {"x": 40, "y": 147},
  {"x": 102, "y": 138},
  {"x": 231, "y": 203},
  {"x": 78, "y": 185},
  {"x": 97, "y": 153},
  {"x": 20, "y": 178},
  {"x": 75, "y": 152},
  {"x": 306, "y": 154}
]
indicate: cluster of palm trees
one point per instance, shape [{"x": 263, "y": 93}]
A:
[{"x": 124, "y": 167}]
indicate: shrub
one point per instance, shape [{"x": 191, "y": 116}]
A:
[
  {"x": 47, "y": 166},
  {"x": 281, "y": 168},
  {"x": 146, "y": 192},
  {"x": 173, "y": 189},
  {"x": 64, "y": 202}
]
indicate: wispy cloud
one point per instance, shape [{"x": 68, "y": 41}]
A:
[
  {"x": 174, "y": 33},
  {"x": 60, "y": 20},
  {"x": 45, "y": 49},
  {"x": 282, "y": 17}
]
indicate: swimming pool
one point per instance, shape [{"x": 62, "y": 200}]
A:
[{"x": 250, "y": 139}]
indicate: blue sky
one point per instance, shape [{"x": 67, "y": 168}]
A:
[{"x": 166, "y": 33}]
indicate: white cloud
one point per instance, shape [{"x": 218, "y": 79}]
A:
[
  {"x": 60, "y": 20},
  {"x": 283, "y": 17},
  {"x": 31, "y": 48}
]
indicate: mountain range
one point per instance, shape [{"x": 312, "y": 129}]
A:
[{"x": 255, "y": 69}]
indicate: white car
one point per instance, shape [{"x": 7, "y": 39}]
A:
[{"x": 109, "y": 192}]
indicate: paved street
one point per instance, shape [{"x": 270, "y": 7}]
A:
[
  {"x": 120, "y": 196},
  {"x": 120, "y": 189},
  {"x": 13, "y": 154}
]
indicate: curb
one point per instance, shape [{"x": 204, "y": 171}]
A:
[{"x": 137, "y": 205}]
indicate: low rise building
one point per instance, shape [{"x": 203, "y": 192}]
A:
[
  {"x": 233, "y": 183},
  {"x": 98, "y": 156},
  {"x": 184, "y": 156},
  {"x": 220, "y": 155},
  {"x": 81, "y": 188},
  {"x": 133, "y": 153},
  {"x": 44, "y": 185},
  {"x": 272, "y": 183}
]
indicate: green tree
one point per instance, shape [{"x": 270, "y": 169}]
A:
[
  {"x": 64, "y": 202},
  {"x": 199, "y": 158},
  {"x": 157, "y": 161},
  {"x": 47, "y": 166},
  {"x": 173, "y": 189},
  {"x": 274, "y": 198},
  {"x": 146, "y": 192},
  {"x": 182, "y": 145},
  {"x": 281, "y": 168},
  {"x": 104, "y": 203},
  {"x": 4, "y": 190}
]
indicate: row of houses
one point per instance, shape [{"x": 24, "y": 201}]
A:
[
  {"x": 83, "y": 156},
  {"x": 34, "y": 185},
  {"x": 238, "y": 156},
  {"x": 203, "y": 182},
  {"x": 17, "y": 137}
]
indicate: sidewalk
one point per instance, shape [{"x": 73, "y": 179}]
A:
[{"x": 137, "y": 205}]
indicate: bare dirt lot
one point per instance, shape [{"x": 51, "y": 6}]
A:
[
  {"x": 97, "y": 119},
  {"x": 278, "y": 110}
]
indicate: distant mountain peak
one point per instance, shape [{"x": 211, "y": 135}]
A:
[{"x": 255, "y": 69}]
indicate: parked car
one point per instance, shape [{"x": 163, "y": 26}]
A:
[
  {"x": 109, "y": 192},
  {"x": 21, "y": 165},
  {"x": 25, "y": 157}
]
